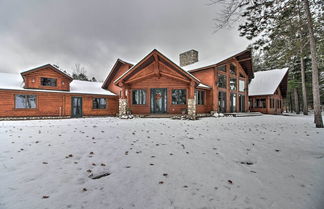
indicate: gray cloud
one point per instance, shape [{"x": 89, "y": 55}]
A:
[{"x": 95, "y": 33}]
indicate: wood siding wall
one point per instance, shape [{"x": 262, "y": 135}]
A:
[
  {"x": 111, "y": 86},
  {"x": 54, "y": 104},
  {"x": 156, "y": 82}
]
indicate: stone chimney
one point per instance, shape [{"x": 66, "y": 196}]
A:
[{"x": 188, "y": 58}]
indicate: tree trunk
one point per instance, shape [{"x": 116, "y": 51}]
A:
[
  {"x": 316, "y": 96},
  {"x": 290, "y": 103},
  {"x": 296, "y": 101},
  {"x": 302, "y": 74}
]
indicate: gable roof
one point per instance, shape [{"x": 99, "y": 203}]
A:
[
  {"x": 266, "y": 82},
  {"x": 12, "y": 81},
  {"x": 243, "y": 57},
  {"x": 47, "y": 66},
  {"x": 150, "y": 58},
  {"x": 113, "y": 71}
]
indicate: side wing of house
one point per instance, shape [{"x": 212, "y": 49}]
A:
[
  {"x": 47, "y": 92},
  {"x": 268, "y": 90}
]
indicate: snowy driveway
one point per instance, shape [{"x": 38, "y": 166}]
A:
[{"x": 263, "y": 162}]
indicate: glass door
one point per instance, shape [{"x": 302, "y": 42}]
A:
[
  {"x": 158, "y": 100},
  {"x": 76, "y": 107},
  {"x": 242, "y": 103}
]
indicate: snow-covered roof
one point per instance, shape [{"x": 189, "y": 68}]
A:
[
  {"x": 12, "y": 81},
  {"x": 87, "y": 87},
  {"x": 266, "y": 82},
  {"x": 203, "y": 86},
  {"x": 209, "y": 60},
  {"x": 201, "y": 63}
]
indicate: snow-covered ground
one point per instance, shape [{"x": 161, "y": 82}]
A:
[{"x": 254, "y": 162}]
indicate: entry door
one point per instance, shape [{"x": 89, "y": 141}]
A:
[
  {"x": 76, "y": 107},
  {"x": 158, "y": 100}
]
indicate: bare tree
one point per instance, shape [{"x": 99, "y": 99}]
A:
[
  {"x": 79, "y": 73},
  {"x": 315, "y": 80},
  {"x": 231, "y": 12}
]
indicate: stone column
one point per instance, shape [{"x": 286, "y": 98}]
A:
[
  {"x": 123, "y": 102},
  {"x": 122, "y": 107},
  {"x": 192, "y": 108}
]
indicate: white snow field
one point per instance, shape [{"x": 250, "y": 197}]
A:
[{"x": 262, "y": 162}]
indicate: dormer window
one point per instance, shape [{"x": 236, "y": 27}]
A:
[{"x": 48, "y": 81}]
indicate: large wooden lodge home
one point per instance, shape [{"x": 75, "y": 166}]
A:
[
  {"x": 158, "y": 85},
  {"x": 154, "y": 85}
]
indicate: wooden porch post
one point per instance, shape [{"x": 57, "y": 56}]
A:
[{"x": 192, "y": 101}]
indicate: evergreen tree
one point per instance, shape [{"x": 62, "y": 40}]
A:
[{"x": 286, "y": 32}]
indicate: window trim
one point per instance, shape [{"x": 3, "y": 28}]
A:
[
  {"x": 222, "y": 74},
  {"x": 186, "y": 92},
  {"x": 132, "y": 101},
  {"x": 25, "y": 109},
  {"x": 204, "y": 99},
  {"x": 106, "y": 105},
  {"x": 41, "y": 82},
  {"x": 219, "y": 66}
]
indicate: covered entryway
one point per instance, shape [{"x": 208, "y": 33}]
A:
[
  {"x": 76, "y": 105},
  {"x": 158, "y": 100},
  {"x": 157, "y": 85}
]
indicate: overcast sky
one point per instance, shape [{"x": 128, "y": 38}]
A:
[{"x": 95, "y": 33}]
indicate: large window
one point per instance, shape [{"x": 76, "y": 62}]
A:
[
  {"x": 222, "y": 101},
  {"x": 233, "y": 102},
  {"x": 261, "y": 103},
  {"x": 99, "y": 103},
  {"x": 233, "y": 84},
  {"x": 139, "y": 97},
  {"x": 241, "y": 85},
  {"x": 200, "y": 97},
  {"x": 48, "y": 81},
  {"x": 233, "y": 69},
  {"x": 178, "y": 96},
  {"x": 25, "y": 101},
  {"x": 221, "y": 81},
  {"x": 222, "y": 68}
]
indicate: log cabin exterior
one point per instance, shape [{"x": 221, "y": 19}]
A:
[
  {"x": 267, "y": 91},
  {"x": 154, "y": 85},
  {"x": 46, "y": 91}
]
